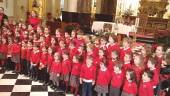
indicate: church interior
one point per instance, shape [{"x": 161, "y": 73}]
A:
[{"x": 85, "y": 47}]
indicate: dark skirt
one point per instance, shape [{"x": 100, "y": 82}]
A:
[
  {"x": 127, "y": 94},
  {"x": 101, "y": 89},
  {"x": 65, "y": 77},
  {"x": 114, "y": 91},
  {"x": 54, "y": 77},
  {"x": 74, "y": 81},
  {"x": 15, "y": 58}
]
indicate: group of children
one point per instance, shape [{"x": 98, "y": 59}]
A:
[{"x": 73, "y": 59}]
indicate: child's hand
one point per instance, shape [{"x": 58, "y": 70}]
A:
[
  {"x": 93, "y": 82},
  {"x": 58, "y": 75},
  {"x": 81, "y": 81}
]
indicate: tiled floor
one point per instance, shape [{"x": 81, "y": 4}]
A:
[{"x": 18, "y": 85}]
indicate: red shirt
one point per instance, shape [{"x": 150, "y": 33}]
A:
[
  {"x": 155, "y": 79},
  {"x": 123, "y": 52},
  {"x": 76, "y": 69},
  {"x": 130, "y": 87},
  {"x": 28, "y": 52},
  {"x": 66, "y": 66},
  {"x": 127, "y": 66},
  {"x": 50, "y": 59},
  {"x": 146, "y": 89},
  {"x": 103, "y": 78},
  {"x": 138, "y": 72},
  {"x": 111, "y": 64},
  {"x": 73, "y": 52},
  {"x": 16, "y": 48},
  {"x": 48, "y": 40},
  {"x": 56, "y": 67},
  {"x": 112, "y": 47},
  {"x": 43, "y": 58},
  {"x": 23, "y": 53},
  {"x": 35, "y": 57},
  {"x": 4, "y": 48},
  {"x": 88, "y": 73},
  {"x": 117, "y": 79},
  {"x": 34, "y": 22}
]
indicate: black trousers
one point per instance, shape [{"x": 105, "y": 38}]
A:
[{"x": 24, "y": 66}]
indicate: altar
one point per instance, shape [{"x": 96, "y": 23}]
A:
[{"x": 117, "y": 28}]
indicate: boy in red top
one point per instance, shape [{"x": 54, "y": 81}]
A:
[
  {"x": 66, "y": 69},
  {"x": 3, "y": 52},
  {"x": 35, "y": 60},
  {"x": 117, "y": 79},
  {"x": 114, "y": 58},
  {"x": 34, "y": 20},
  {"x": 159, "y": 55},
  {"x": 103, "y": 80},
  {"x": 146, "y": 87},
  {"x": 43, "y": 66},
  {"x": 87, "y": 76},
  {"x": 130, "y": 86}
]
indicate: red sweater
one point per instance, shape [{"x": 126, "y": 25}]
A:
[
  {"x": 76, "y": 69},
  {"x": 123, "y": 52},
  {"x": 23, "y": 53},
  {"x": 130, "y": 88},
  {"x": 112, "y": 47},
  {"x": 103, "y": 78},
  {"x": 34, "y": 22},
  {"x": 56, "y": 67},
  {"x": 146, "y": 89},
  {"x": 73, "y": 52},
  {"x": 16, "y": 48},
  {"x": 28, "y": 54},
  {"x": 4, "y": 48},
  {"x": 43, "y": 58},
  {"x": 155, "y": 79},
  {"x": 117, "y": 79},
  {"x": 88, "y": 73},
  {"x": 35, "y": 57},
  {"x": 138, "y": 71},
  {"x": 127, "y": 66},
  {"x": 66, "y": 66},
  {"x": 50, "y": 59}
]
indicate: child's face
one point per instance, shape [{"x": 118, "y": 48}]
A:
[
  {"x": 65, "y": 56},
  {"x": 101, "y": 53},
  {"x": 74, "y": 59},
  {"x": 125, "y": 44},
  {"x": 128, "y": 76},
  {"x": 103, "y": 41},
  {"x": 3, "y": 40},
  {"x": 111, "y": 40},
  {"x": 46, "y": 31},
  {"x": 35, "y": 48},
  {"x": 114, "y": 55},
  {"x": 89, "y": 62},
  {"x": 66, "y": 35},
  {"x": 56, "y": 56},
  {"x": 137, "y": 60},
  {"x": 159, "y": 51},
  {"x": 127, "y": 58},
  {"x": 149, "y": 64},
  {"x": 116, "y": 69},
  {"x": 73, "y": 34},
  {"x": 50, "y": 50},
  {"x": 145, "y": 77},
  {"x": 53, "y": 41},
  {"x": 102, "y": 65},
  {"x": 44, "y": 49}
]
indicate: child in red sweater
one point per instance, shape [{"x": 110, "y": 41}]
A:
[
  {"x": 146, "y": 87},
  {"x": 3, "y": 52},
  {"x": 66, "y": 69},
  {"x": 114, "y": 58},
  {"x": 117, "y": 79},
  {"x": 130, "y": 86},
  {"x": 87, "y": 76},
  {"x": 28, "y": 54},
  {"x": 35, "y": 60},
  {"x": 43, "y": 65},
  {"x": 55, "y": 72},
  {"x": 127, "y": 61},
  {"x": 23, "y": 58},
  {"x": 75, "y": 75},
  {"x": 103, "y": 79}
]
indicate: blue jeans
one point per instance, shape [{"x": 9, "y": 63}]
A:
[{"x": 87, "y": 89}]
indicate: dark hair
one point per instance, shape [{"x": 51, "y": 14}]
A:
[
  {"x": 152, "y": 60},
  {"x": 149, "y": 73},
  {"x": 132, "y": 74},
  {"x": 119, "y": 64}
]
